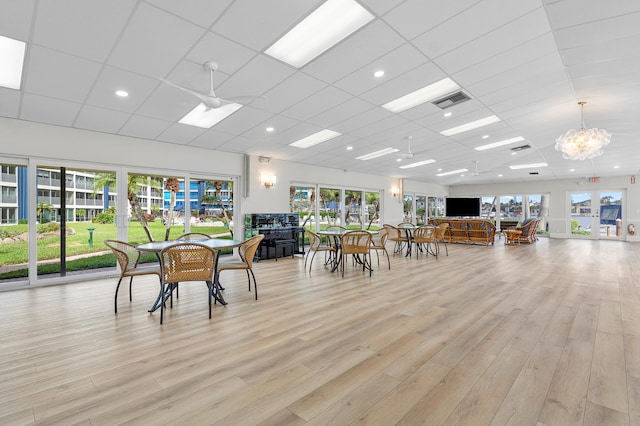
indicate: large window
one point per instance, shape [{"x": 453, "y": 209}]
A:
[{"x": 330, "y": 207}]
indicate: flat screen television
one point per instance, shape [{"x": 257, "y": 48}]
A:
[{"x": 462, "y": 207}]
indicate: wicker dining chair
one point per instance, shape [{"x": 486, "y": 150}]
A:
[
  {"x": 193, "y": 236},
  {"x": 246, "y": 253},
  {"x": 357, "y": 244},
  {"x": 128, "y": 258},
  {"x": 316, "y": 245},
  {"x": 186, "y": 261},
  {"x": 442, "y": 236},
  {"x": 398, "y": 236},
  {"x": 379, "y": 243},
  {"x": 425, "y": 236}
]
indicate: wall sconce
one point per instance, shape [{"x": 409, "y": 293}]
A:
[
  {"x": 395, "y": 191},
  {"x": 268, "y": 180}
]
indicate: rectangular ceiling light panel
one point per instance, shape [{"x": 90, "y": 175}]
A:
[
  {"x": 471, "y": 126},
  {"x": 377, "y": 154},
  {"x": 420, "y": 96},
  {"x": 330, "y": 23},
  {"x": 316, "y": 138},
  {"x": 528, "y": 166},
  {"x": 453, "y": 172},
  {"x": 200, "y": 116},
  {"x": 499, "y": 143},
  {"x": 12, "y": 60},
  {"x": 417, "y": 164}
]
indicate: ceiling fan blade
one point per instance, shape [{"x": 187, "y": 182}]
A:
[{"x": 204, "y": 98}]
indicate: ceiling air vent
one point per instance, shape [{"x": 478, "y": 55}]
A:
[
  {"x": 533, "y": 173},
  {"x": 451, "y": 100},
  {"x": 520, "y": 148}
]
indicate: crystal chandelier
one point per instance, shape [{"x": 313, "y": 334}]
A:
[{"x": 582, "y": 144}]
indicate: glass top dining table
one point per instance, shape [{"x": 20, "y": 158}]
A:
[{"x": 213, "y": 243}]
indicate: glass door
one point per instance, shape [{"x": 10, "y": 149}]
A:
[{"x": 596, "y": 214}]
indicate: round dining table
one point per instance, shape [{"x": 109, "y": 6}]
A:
[{"x": 216, "y": 244}]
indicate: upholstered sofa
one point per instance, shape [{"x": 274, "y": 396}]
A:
[{"x": 468, "y": 231}]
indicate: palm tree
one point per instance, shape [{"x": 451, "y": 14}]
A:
[
  {"x": 109, "y": 180},
  {"x": 217, "y": 186},
  {"x": 41, "y": 208}
]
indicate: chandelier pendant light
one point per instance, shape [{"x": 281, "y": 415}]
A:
[{"x": 584, "y": 143}]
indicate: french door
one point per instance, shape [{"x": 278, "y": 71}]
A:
[{"x": 597, "y": 214}]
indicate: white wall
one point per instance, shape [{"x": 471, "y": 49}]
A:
[
  {"x": 559, "y": 208},
  {"x": 67, "y": 146}
]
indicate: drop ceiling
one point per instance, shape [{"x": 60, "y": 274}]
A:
[{"x": 528, "y": 62}]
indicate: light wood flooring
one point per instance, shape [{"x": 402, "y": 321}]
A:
[{"x": 541, "y": 334}]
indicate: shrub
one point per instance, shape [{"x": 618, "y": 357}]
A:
[
  {"x": 104, "y": 218},
  {"x": 48, "y": 227}
]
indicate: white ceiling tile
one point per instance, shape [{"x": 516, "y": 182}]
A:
[
  {"x": 112, "y": 79},
  {"x": 414, "y": 17},
  {"x": 317, "y": 103},
  {"x": 569, "y": 13},
  {"x": 498, "y": 41},
  {"x": 229, "y": 56},
  {"x": 242, "y": 120},
  {"x": 340, "y": 112},
  {"x": 472, "y": 23},
  {"x": 245, "y": 83},
  {"x": 59, "y": 75},
  {"x": 166, "y": 39},
  {"x": 294, "y": 89},
  {"x": 144, "y": 127},
  {"x": 380, "y": 7},
  {"x": 9, "y": 102},
  {"x": 48, "y": 110},
  {"x": 259, "y": 24},
  {"x": 15, "y": 19},
  {"x": 412, "y": 80},
  {"x": 89, "y": 31},
  {"x": 601, "y": 32},
  {"x": 211, "y": 139},
  {"x": 201, "y": 12},
  {"x": 394, "y": 64},
  {"x": 181, "y": 134},
  {"x": 100, "y": 119},
  {"x": 371, "y": 42}
]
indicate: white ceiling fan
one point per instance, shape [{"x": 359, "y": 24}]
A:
[
  {"x": 476, "y": 171},
  {"x": 405, "y": 155},
  {"x": 210, "y": 99}
]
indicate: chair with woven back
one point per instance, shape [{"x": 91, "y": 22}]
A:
[
  {"x": 357, "y": 244},
  {"x": 193, "y": 236},
  {"x": 186, "y": 262},
  {"x": 398, "y": 236},
  {"x": 379, "y": 243},
  {"x": 128, "y": 259},
  {"x": 442, "y": 236},
  {"x": 425, "y": 236},
  {"x": 246, "y": 254},
  {"x": 529, "y": 229},
  {"x": 317, "y": 245}
]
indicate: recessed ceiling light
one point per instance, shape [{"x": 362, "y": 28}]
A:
[
  {"x": 269, "y": 129},
  {"x": 499, "y": 143},
  {"x": 12, "y": 60},
  {"x": 122, "y": 93},
  {"x": 448, "y": 114},
  {"x": 417, "y": 164},
  {"x": 470, "y": 126},
  {"x": 528, "y": 166},
  {"x": 204, "y": 117},
  {"x": 378, "y": 73},
  {"x": 316, "y": 138},
  {"x": 500, "y": 175},
  {"x": 453, "y": 172},
  {"x": 399, "y": 160},
  {"x": 572, "y": 170},
  {"x": 616, "y": 167},
  {"x": 349, "y": 148},
  {"x": 330, "y": 23},
  {"x": 514, "y": 153},
  {"x": 439, "y": 170},
  {"x": 420, "y": 96},
  {"x": 485, "y": 136},
  {"x": 377, "y": 154}
]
